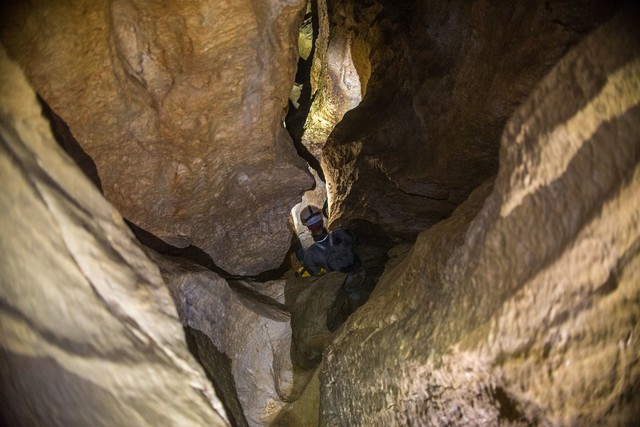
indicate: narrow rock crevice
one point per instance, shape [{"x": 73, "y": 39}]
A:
[
  {"x": 485, "y": 155},
  {"x": 217, "y": 365}
]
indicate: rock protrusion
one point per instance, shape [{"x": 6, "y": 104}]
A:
[
  {"x": 181, "y": 108},
  {"x": 90, "y": 335},
  {"x": 250, "y": 330}
]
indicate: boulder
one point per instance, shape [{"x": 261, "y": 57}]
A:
[
  {"x": 247, "y": 327},
  {"x": 309, "y": 300},
  {"x": 181, "y": 108}
]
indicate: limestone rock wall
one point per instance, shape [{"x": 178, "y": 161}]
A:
[
  {"x": 341, "y": 65},
  {"x": 519, "y": 309},
  {"x": 522, "y": 307},
  {"x": 89, "y": 334},
  {"x": 252, "y": 330},
  {"x": 442, "y": 78},
  {"x": 181, "y": 106}
]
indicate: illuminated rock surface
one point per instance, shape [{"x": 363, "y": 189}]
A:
[
  {"x": 89, "y": 333},
  {"x": 251, "y": 334},
  {"x": 180, "y": 105},
  {"x": 522, "y": 308}
]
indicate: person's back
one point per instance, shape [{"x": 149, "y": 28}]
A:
[{"x": 333, "y": 252}]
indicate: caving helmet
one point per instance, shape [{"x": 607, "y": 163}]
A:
[{"x": 310, "y": 216}]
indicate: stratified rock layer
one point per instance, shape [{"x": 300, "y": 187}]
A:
[
  {"x": 180, "y": 105},
  {"x": 522, "y": 308},
  {"x": 89, "y": 333},
  {"x": 442, "y": 78}
]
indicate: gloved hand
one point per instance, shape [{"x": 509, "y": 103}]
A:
[{"x": 301, "y": 272}]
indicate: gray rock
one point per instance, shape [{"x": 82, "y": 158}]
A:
[{"x": 251, "y": 329}]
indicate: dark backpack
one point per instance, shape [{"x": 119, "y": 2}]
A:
[{"x": 340, "y": 256}]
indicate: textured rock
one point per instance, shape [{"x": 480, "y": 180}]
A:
[
  {"x": 305, "y": 411},
  {"x": 250, "y": 328},
  {"x": 181, "y": 108},
  {"x": 441, "y": 80},
  {"x": 309, "y": 299},
  {"x": 89, "y": 333},
  {"x": 522, "y": 308},
  {"x": 341, "y": 67}
]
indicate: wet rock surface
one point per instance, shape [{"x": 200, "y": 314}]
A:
[
  {"x": 520, "y": 308},
  {"x": 89, "y": 333}
]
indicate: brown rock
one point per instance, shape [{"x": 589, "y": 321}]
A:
[
  {"x": 522, "y": 308},
  {"x": 341, "y": 66},
  {"x": 305, "y": 411},
  {"x": 444, "y": 79},
  {"x": 309, "y": 300},
  {"x": 90, "y": 335},
  {"x": 180, "y": 106}
]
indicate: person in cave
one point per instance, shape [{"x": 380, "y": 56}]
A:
[{"x": 334, "y": 251}]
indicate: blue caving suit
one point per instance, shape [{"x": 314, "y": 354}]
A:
[
  {"x": 331, "y": 251},
  {"x": 334, "y": 251}
]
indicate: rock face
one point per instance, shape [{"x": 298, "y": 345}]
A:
[
  {"x": 439, "y": 81},
  {"x": 249, "y": 329},
  {"x": 341, "y": 65},
  {"x": 522, "y": 307},
  {"x": 181, "y": 108},
  {"x": 89, "y": 333}
]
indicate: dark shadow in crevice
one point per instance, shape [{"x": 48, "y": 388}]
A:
[
  {"x": 200, "y": 257},
  {"x": 510, "y": 411},
  {"x": 374, "y": 242},
  {"x": 69, "y": 144},
  {"x": 217, "y": 366},
  {"x": 192, "y": 253},
  {"x": 297, "y": 117}
]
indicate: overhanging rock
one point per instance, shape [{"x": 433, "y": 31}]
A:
[{"x": 89, "y": 333}]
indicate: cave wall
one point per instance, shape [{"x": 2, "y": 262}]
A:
[
  {"x": 89, "y": 334},
  {"x": 247, "y": 350},
  {"x": 442, "y": 80},
  {"x": 341, "y": 65},
  {"x": 521, "y": 308},
  {"x": 181, "y": 108}
]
